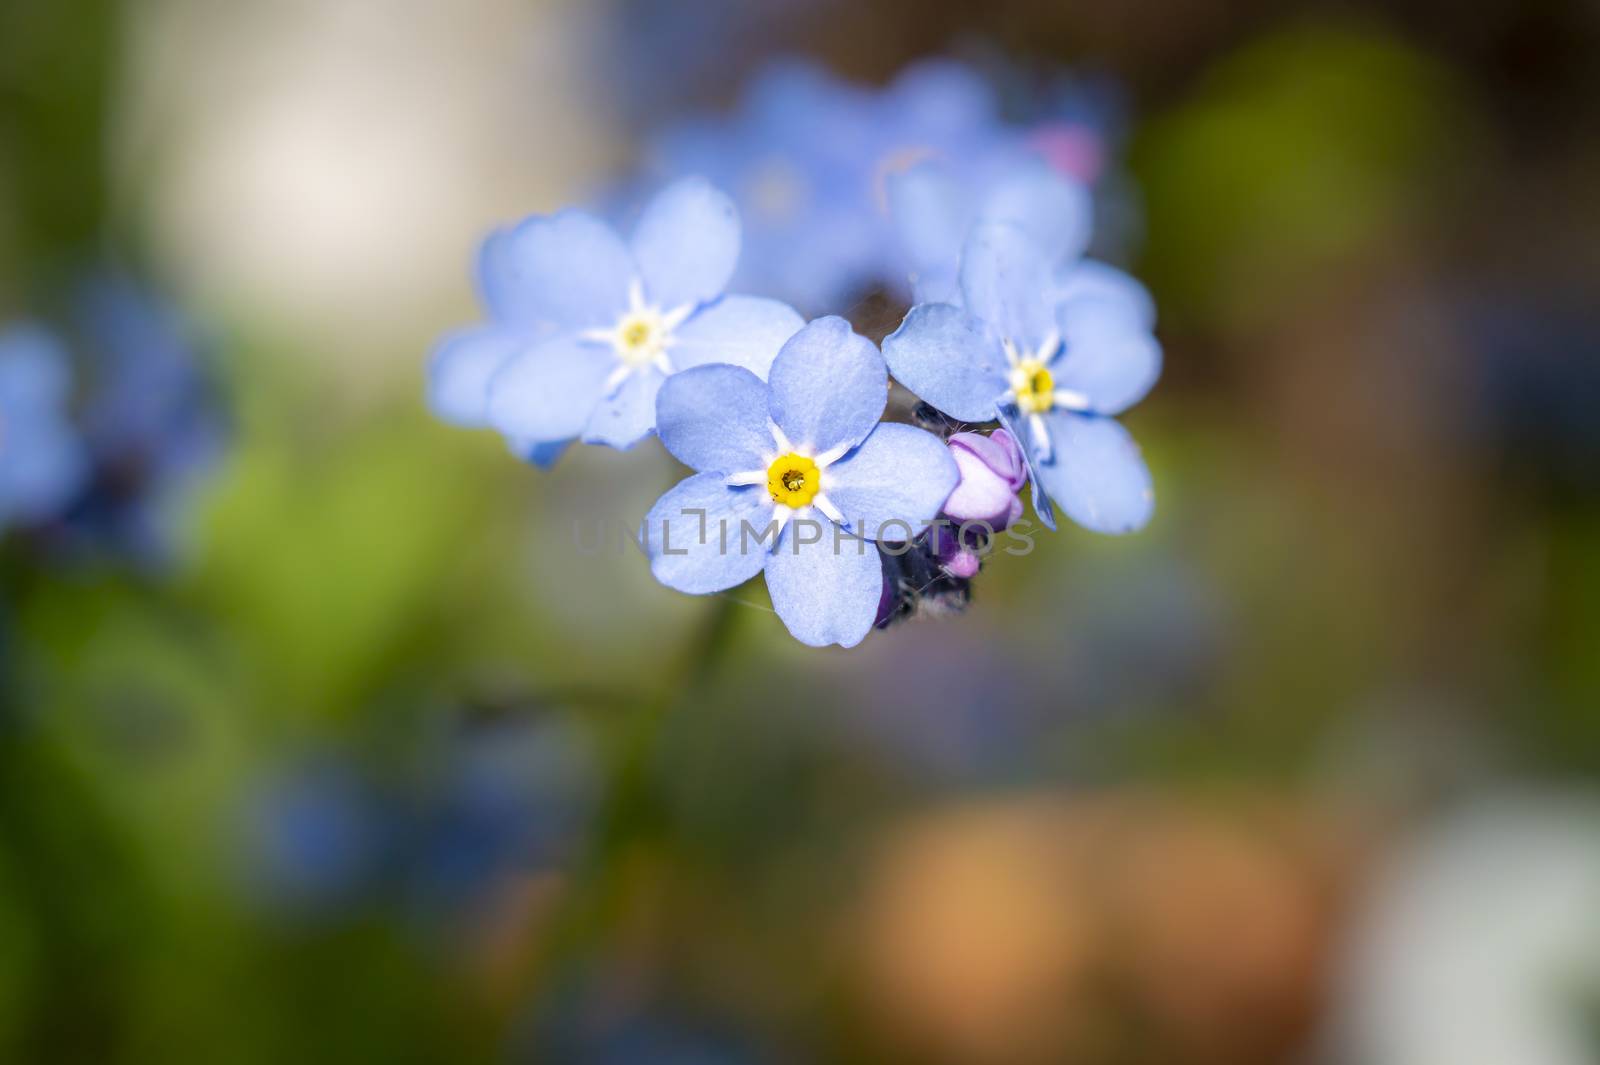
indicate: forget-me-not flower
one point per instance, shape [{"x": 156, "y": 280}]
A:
[
  {"x": 771, "y": 458},
  {"x": 596, "y": 324},
  {"x": 1052, "y": 371},
  {"x": 42, "y": 460}
]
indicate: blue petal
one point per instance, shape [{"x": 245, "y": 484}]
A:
[
  {"x": 824, "y": 584},
  {"x": 1006, "y": 281},
  {"x": 703, "y": 536},
  {"x": 1089, "y": 278},
  {"x": 1041, "y": 501},
  {"x": 739, "y": 330},
  {"x": 34, "y": 370},
  {"x": 507, "y": 302},
  {"x": 931, "y": 213},
  {"x": 829, "y": 386},
  {"x": 43, "y": 470},
  {"x": 628, "y": 414},
  {"x": 1096, "y": 474},
  {"x": 569, "y": 268},
  {"x": 1107, "y": 355},
  {"x": 460, "y": 369},
  {"x": 942, "y": 94},
  {"x": 948, "y": 359},
  {"x": 1055, "y": 213},
  {"x": 714, "y": 419},
  {"x": 896, "y": 482},
  {"x": 541, "y": 455},
  {"x": 549, "y": 391},
  {"x": 687, "y": 243}
]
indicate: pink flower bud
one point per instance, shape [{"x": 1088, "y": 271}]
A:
[{"x": 992, "y": 472}]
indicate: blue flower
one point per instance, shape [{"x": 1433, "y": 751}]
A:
[
  {"x": 587, "y": 327},
  {"x": 152, "y": 421},
  {"x": 809, "y": 157},
  {"x": 310, "y": 838},
  {"x": 792, "y": 158},
  {"x": 1051, "y": 370},
  {"x": 42, "y": 461},
  {"x": 773, "y": 456}
]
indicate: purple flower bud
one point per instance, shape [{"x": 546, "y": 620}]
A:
[
  {"x": 957, "y": 557},
  {"x": 992, "y": 472}
]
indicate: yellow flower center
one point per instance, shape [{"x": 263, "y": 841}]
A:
[
  {"x": 640, "y": 338},
  {"x": 794, "y": 481},
  {"x": 1033, "y": 386}
]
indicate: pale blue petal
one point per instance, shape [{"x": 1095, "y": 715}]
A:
[
  {"x": 1056, "y": 213},
  {"x": 824, "y": 583},
  {"x": 1107, "y": 354},
  {"x": 549, "y": 391},
  {"x": 931, "y": 212},
  {"x": 896, "y": 482},
  {"x": 1091, "y": 279},
  {"x": 949, "y": 360},
  {"x": 942, "y": 284},
  {"x": 714, "y": 419},
  {"x": 687, "y": 243},
  {"x": 460, "y": 369},
  {"x": 1096, "y": 474},
  {"x": 628, "y": 413},
  {"x": 703, "y": 536},
  {"x": 829, "y": 386},
  {"x": 508, "y": 303},
  {"x": 743, "y": 331},
  {"x": 1041, "y": 502},
  {"x": 569, "y": 268},
  {"x": 1005, "y": 280}
]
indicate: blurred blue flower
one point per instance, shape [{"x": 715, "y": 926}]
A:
[
  {"x": 1052, "y": 371},
  {"x": 936, "y": 204},
  {"x": 808, "y": 158},
  {"x": 152, "y": 420},
  {"x": 790, "y": 157},
  {"x": 312, "y": 838},
  {"x": 42, "y": 461},
  {"x": 331, "y": 832},
  {"x": 807, "y": 443},
  {"x": 514, "y": 799},
  {"x": 588, "y": 327}
]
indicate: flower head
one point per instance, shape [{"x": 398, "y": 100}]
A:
[
  {"x": 796, "y": 478},
  {"x": 1052, "y": 370},
  {"x": 42, "y": 460},
  {"x": 586, "y": 326}
]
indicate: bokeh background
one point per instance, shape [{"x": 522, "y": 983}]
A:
[{"x": 372, "y": 765}]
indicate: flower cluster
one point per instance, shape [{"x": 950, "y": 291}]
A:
[
  {"x": 106, "y": 426},
  {"x": 852, "y": 520}
]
